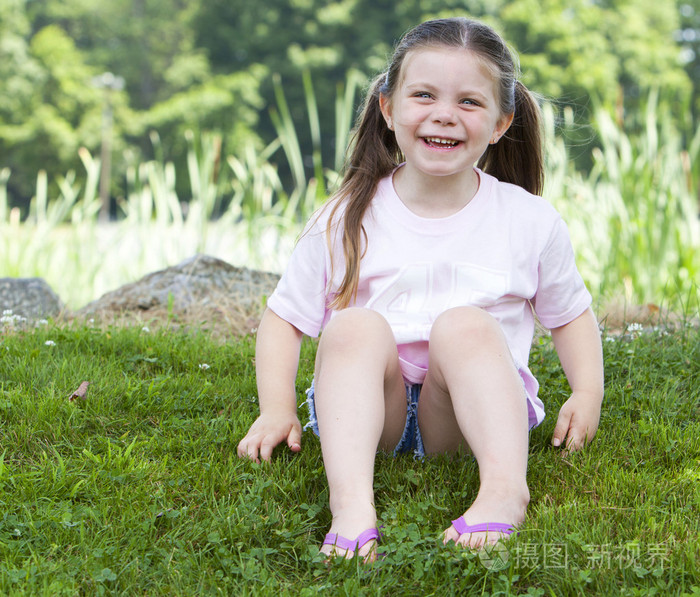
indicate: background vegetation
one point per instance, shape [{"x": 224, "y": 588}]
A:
[
  {"x": 228, "y": 120},
  {"x": 229, "y": 128},
  {"x": 204, "y": 66}
]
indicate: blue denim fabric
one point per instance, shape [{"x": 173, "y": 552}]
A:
[{"x": 411, "y": 440}]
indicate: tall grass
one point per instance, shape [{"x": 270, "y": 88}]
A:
[
  {"x": 633, "y": 218},
  {"x": 247, "y": 217}
]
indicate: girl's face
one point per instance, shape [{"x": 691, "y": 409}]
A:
[{"x": 444, "y": 111}]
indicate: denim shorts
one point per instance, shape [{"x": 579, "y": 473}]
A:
[{"x": 411, "y": 440}]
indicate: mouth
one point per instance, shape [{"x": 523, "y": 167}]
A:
[{"x": 440, "y": 142}]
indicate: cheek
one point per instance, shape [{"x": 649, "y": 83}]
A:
[{"x": 408, "y": 117}]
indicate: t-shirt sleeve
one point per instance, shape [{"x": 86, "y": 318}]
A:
[
  {"x": 561, "y": 293},
  {"x": 300, "y": 296}
]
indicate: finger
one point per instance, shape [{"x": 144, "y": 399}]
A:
[
  {"x": 266, "y": 448},
  {"x": 253, "y": 453},
  {"x": 572, "y": 445},
  {"x": 578, "y": 439},
  {"x": 294, "y": 439},
  {"x": 561, "y": 429},
  {"x": 247, "y": 450}
]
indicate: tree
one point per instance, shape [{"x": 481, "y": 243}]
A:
[
  {"x": 210, "y": 65},
  {"x": 573, "y": 51},
  {"x": 688, "y": 36},
  {"x": 47, "y": 112},
  {"x": 138, "y": 40},
  {"x": 50, "y": 54}
]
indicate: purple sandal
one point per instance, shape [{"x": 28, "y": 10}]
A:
[
  {"x": 484, "y": 527},
  {"x": 362, "y": 539}
]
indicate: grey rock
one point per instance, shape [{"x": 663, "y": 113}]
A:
[
  {"x": 31, "y": 298},
  {"x": 199, "y": 282}
]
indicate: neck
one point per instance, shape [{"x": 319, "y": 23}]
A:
[{"x": 435, "y": 196}]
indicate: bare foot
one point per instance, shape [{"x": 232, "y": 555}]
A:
[
  {"x": 498, "y": 505},
  {"x": 349, "y": 524}
]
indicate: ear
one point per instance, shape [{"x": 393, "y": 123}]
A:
[
  {"x": 385, "y": 107},
  {"x": 502, "y": 126}
]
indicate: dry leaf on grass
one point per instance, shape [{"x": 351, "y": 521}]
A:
[{"x": 80, "y": 392}]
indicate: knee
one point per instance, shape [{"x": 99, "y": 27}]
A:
[
  {"x": 466, "y": 324},
  {"x": 354, "y": 327}
]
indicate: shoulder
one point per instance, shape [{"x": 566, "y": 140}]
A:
[
  {"x": 517, "y": 199},
  {"x": 330, "y": 216},
  {"x": 320, "y": 221},
  {"x": 507, "y": 191}
]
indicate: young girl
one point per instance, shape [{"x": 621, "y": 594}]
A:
[{"x": 424, "y": 271}]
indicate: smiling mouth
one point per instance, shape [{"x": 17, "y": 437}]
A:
[{"x": 441, "y": 143}]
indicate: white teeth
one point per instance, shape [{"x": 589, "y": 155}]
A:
[{"x": 439, "y": 141}]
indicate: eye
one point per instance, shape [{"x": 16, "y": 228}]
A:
[
  {"x": 422, "y": 95},
  {"x": 469, "y": 102}
]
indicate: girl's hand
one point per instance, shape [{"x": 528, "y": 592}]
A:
[
  {"x": 581, "y": 354},
  {"x": 267, "y": 432},
  {"x": 578, "y": 421}
]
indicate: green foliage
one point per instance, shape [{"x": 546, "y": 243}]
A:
[
  {"x": 688, "y": 36},
  {"x": 607, "y": 51},
  {"x": 54, "y": 51},
  {"x": 149, "y": 44},
  {"x": 224, "y": 105},
  {"x": 634, "y": 217},
  {"x": 137, "y": 488},
  {"x": 564, "y": 53},
  {"x": 49, "y": 113},
  {"x": 210, "y": 66}
]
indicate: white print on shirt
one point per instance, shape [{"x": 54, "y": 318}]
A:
[{"x": 413, "y": 299}]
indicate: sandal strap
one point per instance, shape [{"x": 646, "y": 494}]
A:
[
  {"x": 484, "y": 527},
  {"x": 348, "y": 544}
]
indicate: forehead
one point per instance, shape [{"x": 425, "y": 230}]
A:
[{"x": 435, "y": 61}]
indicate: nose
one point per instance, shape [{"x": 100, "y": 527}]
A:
[{"x": 443, "y": 114}]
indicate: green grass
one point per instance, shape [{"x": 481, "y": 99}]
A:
[{"x": 137, "y": 490}]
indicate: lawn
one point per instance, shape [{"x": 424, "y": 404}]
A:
[{"x": 136, "y": 489}]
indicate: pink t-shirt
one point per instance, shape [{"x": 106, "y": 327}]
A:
[{"x": 506, "y": 251}]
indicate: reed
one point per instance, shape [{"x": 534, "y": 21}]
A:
[{"x": 634, "y": 217}]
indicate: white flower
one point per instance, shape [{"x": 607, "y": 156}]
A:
[
  {"x": 50, "y": 343},
  {"x": 635, "y": 327},
  {"x": 145, "y": 329},
  {"x": 10, "y": 319},
  {"x": 203, "y": 366}
]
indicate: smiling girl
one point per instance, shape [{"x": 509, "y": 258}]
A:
[{"x": 425, "y": 271}]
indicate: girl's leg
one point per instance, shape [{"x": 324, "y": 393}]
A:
[
  {"x": 360, "y": 405},
  {"x": 473, "y": 397}
]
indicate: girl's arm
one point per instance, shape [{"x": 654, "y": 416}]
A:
[
  {"x": 276, "y": 363},
  {"x": 581, "y": 354}
]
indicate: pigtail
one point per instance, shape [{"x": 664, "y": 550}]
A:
[
  {"x": 374, "y": 154},
  {"x": 373, "y": 149},
  {"x": 518, "y": 157}
]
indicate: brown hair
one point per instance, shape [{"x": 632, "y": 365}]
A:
[{"x": 517, "y": 158}]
